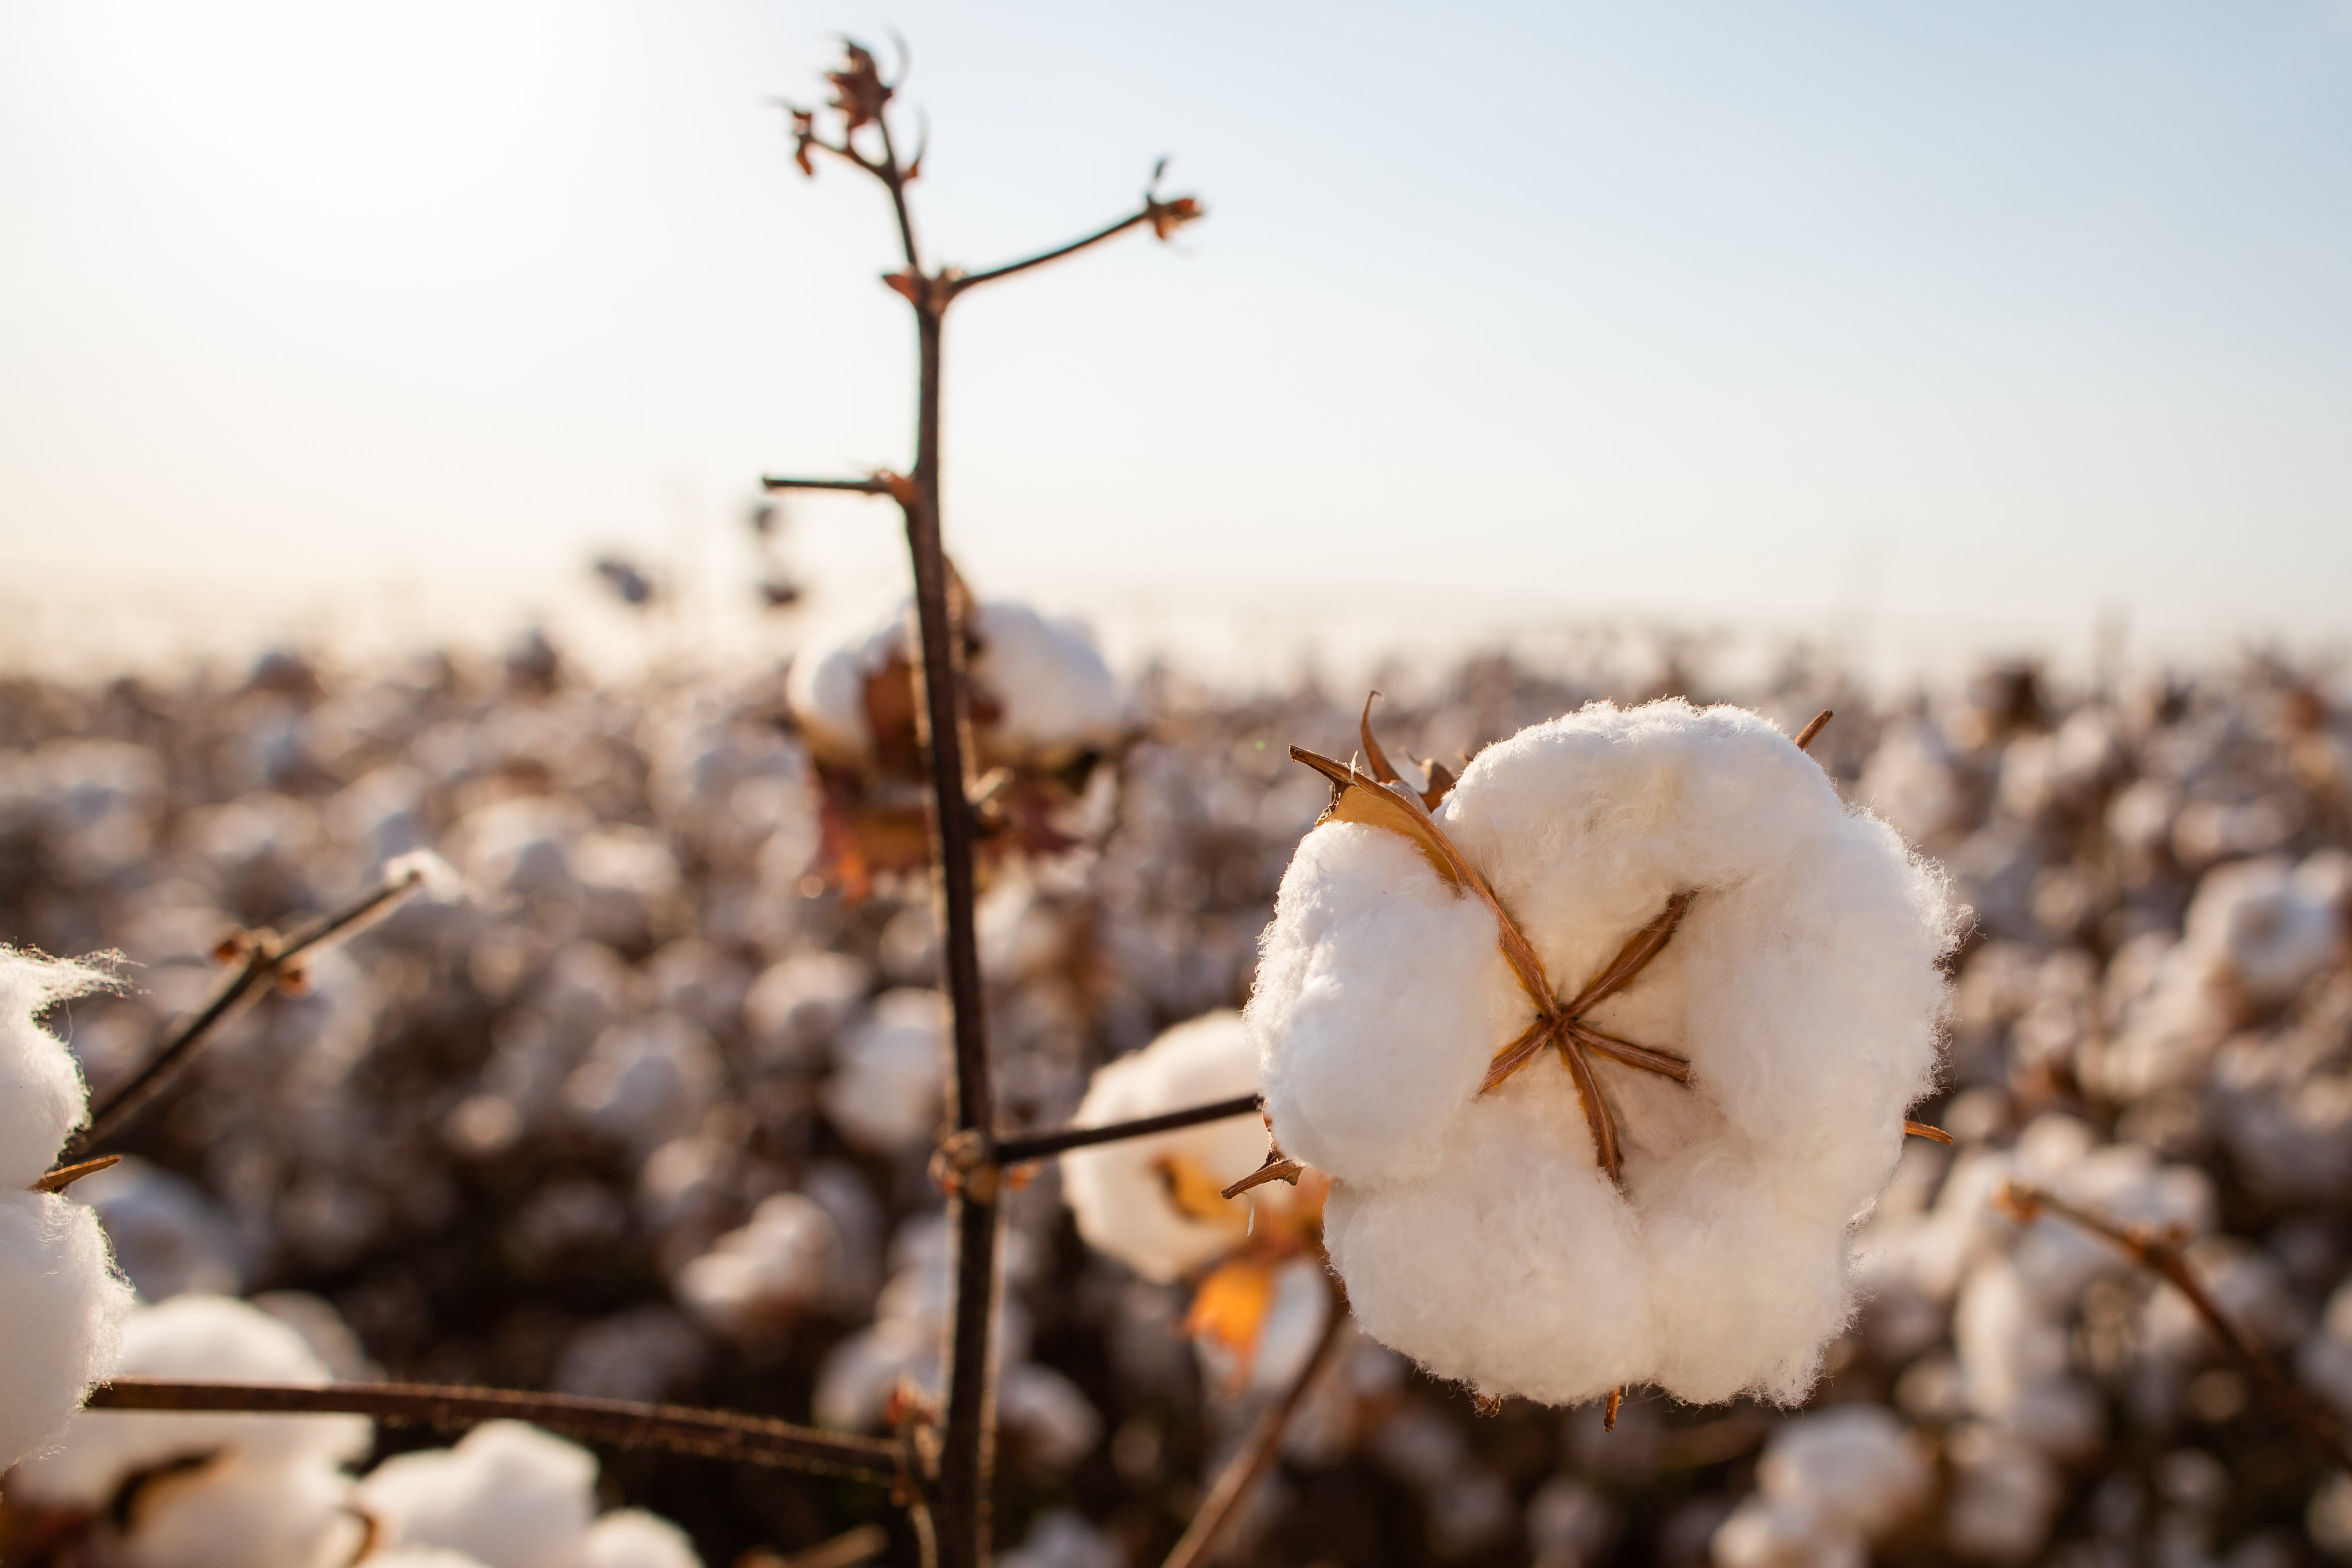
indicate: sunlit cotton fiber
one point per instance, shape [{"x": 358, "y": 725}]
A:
[{"x": 1478, "y": 1232}]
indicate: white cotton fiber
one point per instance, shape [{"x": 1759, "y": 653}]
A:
[
  {"x": 1476, "y": 1231},
  {"x": 1124, "y": 1195},
  {"x": 755, "y": 1279},
  {"x": 632, "y": 1538},
  {"x": 890, "y": 1074},
  {"x": 209, "y": 1338},
  {"x": 508, "y": 1494},
  {"x": 235, "y": 1513},
  {"x": 2271, "y": 927},
  {"x": 61, "y": 1311},
  {"x": 41, "y": 1094},
  {"x": 1052, "y": 694}
]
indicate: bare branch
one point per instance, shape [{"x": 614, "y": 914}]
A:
[
  {"x": 1041, "y": 1145},
  {"x": 715, "y": 1434},
  {"x": 973, "y": 279},
  {"x": 268, "y": 957},
  {"x": 857, "y": 487},
  {"x": 2161, "y": 1252},
  {"x": 1258, "y": 1452}
]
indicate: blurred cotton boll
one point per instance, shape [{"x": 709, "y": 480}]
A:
[{"x": 890, "y": 1073}]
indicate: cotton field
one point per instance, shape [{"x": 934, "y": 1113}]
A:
[{"x": 635, "y": 1091}]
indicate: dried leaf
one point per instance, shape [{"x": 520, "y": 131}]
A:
[
  {"x": 1196, "y": 1195},
  {"x": 858, "y": 90},
  {"x": 1230, "y": 1307},
  {"x": 1167, "y": 217},
  {"x": 1441, "y": 782}
]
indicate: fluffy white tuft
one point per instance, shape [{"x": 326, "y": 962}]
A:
[
  {"x": 436, "y": 880},
  {"x": 779, "y": 1264},
  {"x": 885, "y": 1092},
  {"x": 509, "y": 1495},
  {"x": 41, "y": 1094},
  {"x": 61, "y": 1310},
  {"x": 1829, "y": 1484},
  {"x": 1123, "y": 1194},
  {"x": 208, "y": 1337},
  {"x": 632, "y": 1538},
  {"x": 1477, "y": 1232},
  {"x": 235, "y": 1513}
]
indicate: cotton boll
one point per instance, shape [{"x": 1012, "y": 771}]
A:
[
  {"x": 1055, "y": 695},
  {"x": 61, "y": 1310},
  {"x": 521, "y": 847},
  {"x": 236, "y": 1513},
  {"x": 205, "y": 1337},
  {"x": 773, "y": 1268},
  {"x": 646, "y": 1082},
  {"x": 632, "y": 1538},
  {"x": 1569, "y": 1524},
  {"x": 1786, "y": 1532},
  {"x": 1054, "y": 1423},
  {"x": 1060, "y": 1538},
  {"x": 41, "y": 1094},
  {"x": 508, "y": 1494},
  {"x": 436, "y": 880},
  {"x": 1375, "y": 993},
  {"x": 826, "y": 687},
  {"x": 1853, "y": 1463},
  {"x": 887, "y": 1088},
  {"x": 1910, "y": 780},
  {"x": 1801, "y": 986},
  {"x": 1143, "y": 1199},
  {"x": 2271, "y": 930},
  {"x": 421, "y": 1557},
  {"x": 2004, "y": 1496},
  {"x": 2325, "y": 1358},
  {"x": 798, "y": 1004}
]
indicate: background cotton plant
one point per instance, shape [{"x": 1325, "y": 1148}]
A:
[{"x": 1785, "y": 1005}]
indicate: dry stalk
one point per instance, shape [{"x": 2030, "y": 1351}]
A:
[
  {"x": 1041, "y": 1145},
  {"x": 269, "y": 959},
  {"x": 2161, "y": 1252},
  {"x": 715, "y": 1434},
  {"x": 1257, "y": 1454},
  {"x": 959, "y": 1498}
]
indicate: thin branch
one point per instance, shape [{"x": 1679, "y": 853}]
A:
[
  {"x": 715, "y": 1434},
  {"x": 1040, "y": 1145},
  {"x": 1258, "y": 1452},
  {"x": 2161, "y": 1252},
  {"x": 973, "y": 279},
  {"x": 858, "y": 487},
  {"x": 65, "y": 1176},
  {"x": 268, "y": 957}
]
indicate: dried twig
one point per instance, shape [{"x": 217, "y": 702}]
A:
[
  {"x": 716, "y": 1434},
  {"x": 1257, "y": 1454},
  {"x": 1039, "y": 1146},
  {"x": 2161, "y": 1252},
  {"x": 269, "y": 958},
  {"x": 65, "y": 1176}
]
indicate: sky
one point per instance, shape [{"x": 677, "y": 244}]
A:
[{"x": 1986, "y": 323}]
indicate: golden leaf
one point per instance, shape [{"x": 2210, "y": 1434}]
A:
[
  {"x": 1230, "y": 1307},
  {"x": 1197, "y": 1195}
]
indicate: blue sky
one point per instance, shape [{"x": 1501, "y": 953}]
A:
[{"x": 1997, "y": 316}]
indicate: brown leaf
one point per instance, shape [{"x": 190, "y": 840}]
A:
[
  {"x": 858, "y": 90},
  {"x": 905, "y": 285},
  {"x": 1167, "y": 217},
  {"x": 1441, "y": 782}
]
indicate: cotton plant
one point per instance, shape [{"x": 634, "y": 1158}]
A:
[
  {"x": 1045, "y": 709},
  {"x": 1605, "y": 1048},
  {"x": 1157, "y": 1203},
  {"x": 62, "y": 1301}
]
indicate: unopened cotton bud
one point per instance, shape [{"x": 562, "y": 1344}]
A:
[{"x": 1476, "y": 1229}]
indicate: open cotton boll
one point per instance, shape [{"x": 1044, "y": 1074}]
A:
[
  {"x": 61, "y": 1310},
  {"x": 2271, "y": 927},
  {"x": 886, "y": 1089},
  {"x": 632, "y": 1538},
  {"x": 205, "y": 1337},
  {"x": 1152, "y": 1202},
  {"x": 778, "y": 1265},
  {"x": 826, "y": 687},
  {"x": 1055, "y": 695},
  {"x": 1853, "y": 1463},
  {"x": 41, "y": 1094},
  {"x": 236, "y": 1513},
  {"x": 508, "y": 1494},
  {"x": 1768, "y": 1531},
  {"x": 1478, "y": 1232},
  {"x": 646, "y": 1082}
]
